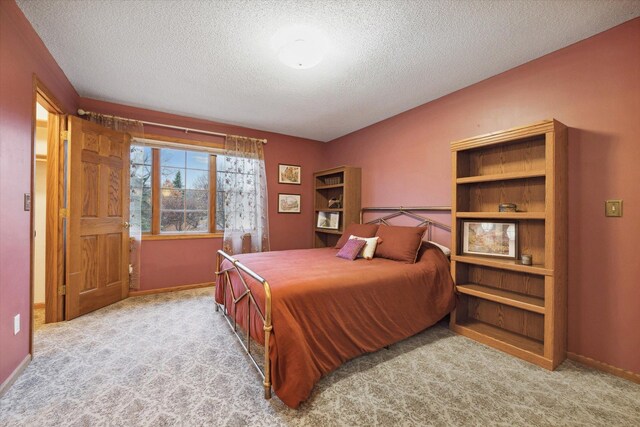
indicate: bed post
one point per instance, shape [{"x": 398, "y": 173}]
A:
[
  {"x": 265, "y": 317},
  {"x": 218, "y": 269},
  {"x": 267, "y": 334}
]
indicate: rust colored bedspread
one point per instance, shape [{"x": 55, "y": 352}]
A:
[{"x": 327, "y": 310}]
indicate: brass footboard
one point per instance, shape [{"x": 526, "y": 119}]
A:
[{"x": 225, "y": 282}]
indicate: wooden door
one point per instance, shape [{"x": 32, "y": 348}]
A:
[{"x": 97, "y": 246}]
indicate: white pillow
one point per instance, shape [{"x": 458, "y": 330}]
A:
[
  {"x": 369, "y": 249},
  {"x": 443, "y": 248}
]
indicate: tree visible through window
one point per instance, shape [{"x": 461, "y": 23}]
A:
[{"x": 182, "y": 192}]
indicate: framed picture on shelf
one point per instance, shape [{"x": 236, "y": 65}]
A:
[
  {"x": 288, "y": 203},
  {"x": 329, "y": 220},
  {"x": 490, "y": 238},
  {"x": 289, "y": 174}
]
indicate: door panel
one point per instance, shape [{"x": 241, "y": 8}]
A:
[
  {"x": 115, "y": 193},
  {"x": 89, "y": 188},
  {"x": 114, "y": 261},
  {"x": 89, "y": 266},
  {"x": 98, "y": 234}
]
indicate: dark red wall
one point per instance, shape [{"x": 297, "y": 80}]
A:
[
  {"x": 22, "y": 54},
  {"x": 192, "y": 261},
  {"x": 594, "y": 88}
]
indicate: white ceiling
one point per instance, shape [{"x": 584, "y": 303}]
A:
[{"x": 212, "y": 59}]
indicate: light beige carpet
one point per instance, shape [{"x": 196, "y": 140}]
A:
[{"x": 170, "y": 359}]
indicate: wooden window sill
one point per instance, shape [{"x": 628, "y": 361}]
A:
[{"x": 184, "y": 236}]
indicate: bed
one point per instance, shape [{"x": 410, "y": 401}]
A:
[{"x": 314, "y": 311}]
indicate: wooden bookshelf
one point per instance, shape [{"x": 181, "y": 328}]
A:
[
  {"x": 330, "y": 210},
  {"x": 507, "y": 264},
  {"x": 519, "y": 309},
  {"x": 343, "y": 181},
  {"x": 327, "y": 231},
  {"x": 514, "y": 299},
  {"x": 500, "y": 176},
  {"x": 515, "y": 344},
  {"x": 502, "y": 215},
  {"x": 324, "y": 187}
]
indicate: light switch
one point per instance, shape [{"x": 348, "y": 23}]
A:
[{"x": 613, "y": 208}]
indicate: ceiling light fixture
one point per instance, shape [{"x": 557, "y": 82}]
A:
[{"x": 299, "y": 46}]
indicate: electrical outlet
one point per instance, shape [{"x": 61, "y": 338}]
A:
[
  {"x": 16, "y": 324},
  {"x": 613, "y": 208}
]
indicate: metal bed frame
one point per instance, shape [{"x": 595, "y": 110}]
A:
[{"x": 265, "y": 315}]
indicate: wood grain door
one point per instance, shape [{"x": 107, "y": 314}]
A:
[{"x": 97, "y": 246}]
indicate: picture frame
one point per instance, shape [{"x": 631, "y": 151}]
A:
[
  {"x": 328, "y": 220},
  {"x": 490, "y": 238},
  {"x": 289, "y": 203},
  {"x": 289, "y": 174}
]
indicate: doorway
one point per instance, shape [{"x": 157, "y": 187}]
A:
[
  {"x": 80, "y": 225},
  {"x": 47, "y": 261},
  {"x": 39, "y": 204}
]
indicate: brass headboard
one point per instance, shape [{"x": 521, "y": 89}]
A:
[{"x": 409, "y": 212}]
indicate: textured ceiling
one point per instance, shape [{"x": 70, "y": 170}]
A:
[{"x": 212, "y": 60}]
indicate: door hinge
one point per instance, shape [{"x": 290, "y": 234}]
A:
[
  {"x": 62, "y": 290},
  {"x": 64, "y": 135},
  {"x": 64, "y": 213}
]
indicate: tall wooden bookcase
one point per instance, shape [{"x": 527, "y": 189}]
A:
[
  {"x": 341, "y": 182},
  {"x": 519, "y": 309}
]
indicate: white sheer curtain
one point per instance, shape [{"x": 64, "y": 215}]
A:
[
  {"x": 134, "y": 128},
  {"x": 242, "y": 177},
  {"x": 139, "y": 173}
]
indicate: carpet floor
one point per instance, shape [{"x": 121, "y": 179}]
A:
[{"x": 170, "y": 359}]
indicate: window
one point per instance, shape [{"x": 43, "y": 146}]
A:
[
  {"x": 220, "y": 171},
  {"x": 237, "y": 179},
  {"x": 184, "y": 191},
  {"x": 181, "y": 184}
]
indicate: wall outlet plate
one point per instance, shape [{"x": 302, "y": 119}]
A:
[{"x": 613, "y": 208}]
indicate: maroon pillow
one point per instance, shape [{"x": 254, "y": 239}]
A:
[
  {"x": 399, "y": 243},
  {"x": 360, "y": 230},
  {"x": 351, "y": 249}
]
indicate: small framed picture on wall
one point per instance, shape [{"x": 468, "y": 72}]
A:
[
  {"x": 289, "y": 174},
  {"x": 288, "y": 203}
]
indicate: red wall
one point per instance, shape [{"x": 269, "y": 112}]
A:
[
  {"x": 22, "y": 54},
  {"x": 594, "y": 88},
  {"x": 193, "y": 261}
]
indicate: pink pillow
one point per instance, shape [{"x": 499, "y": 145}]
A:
[
  {"x": 351, "y": 249},
  {"x": 360, "y": 230}
]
